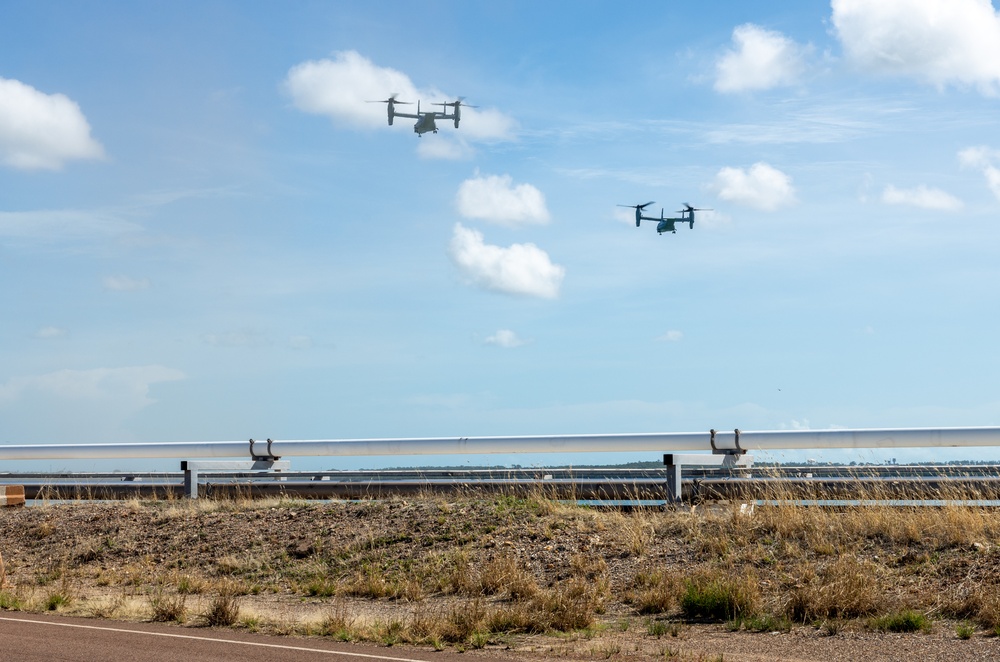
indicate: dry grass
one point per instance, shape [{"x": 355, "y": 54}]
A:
[
  {"x": 224, "y": 608},
  {"x": 474, "y": 571},
  {"x": 166, "y": 608}
]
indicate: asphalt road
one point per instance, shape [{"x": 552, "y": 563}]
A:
[{"x": 46, "y": 637}]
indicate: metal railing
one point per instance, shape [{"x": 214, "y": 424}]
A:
[{"x": 665, "y": 442}]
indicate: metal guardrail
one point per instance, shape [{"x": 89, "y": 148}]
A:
[
  {"x": 665, "y": 442},
  {"x": 830, "y": 483}
]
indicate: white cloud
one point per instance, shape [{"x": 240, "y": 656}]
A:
[
  {"x": 983, "y": 159},
  {"x": 521, "y": 269},
  {"x": 495, "y": 198},
  {"x": 506, "y": 338},
  {"x": 487, "y": 124},
  {"x": 125, "y": 284},
  {"x": 921, "y": 196},
  {"x": 130, "y": 385},
  {"x": 49, "y": 332},
  {"x": 978, "y": 157},
  {"x": 672, "y": 336},
  {"x": 41, "y": 131},
  {"x": 440, "y": 146},
  {"x": 761, "y": 59},
  {"x": 762, "y": 187},
  {"x": 941, "y": 42},
  {"x": 342, "y": 88}
]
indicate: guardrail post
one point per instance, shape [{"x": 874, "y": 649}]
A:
[
  {"x": 673, "y": 478},
  {"x": 190, "y": 480},
  {"x": 262, "y": 465},
  {"x": 674, "y": 463}
]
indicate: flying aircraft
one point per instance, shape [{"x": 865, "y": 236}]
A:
[
  {"x": 664, "y": 224},
  {"x": 425, "y": 118}
]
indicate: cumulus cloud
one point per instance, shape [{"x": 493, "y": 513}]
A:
[
  {"x": 129, "y": 385},
  {"x": 762, "y": 187},
  {"x": 940, "y": 42},
  {"x": 41, "y": 131},
  {"x": 341, "y": 88},
  {"x": 497, "y": 199},
  {"x": 125, "y": 284},
  {"x": 983, "y": 159},
  {"x": 520, "y": 269},
  {"x": 921, "y": 196},
  {"x": 506, "y": 338},
  {"x": 759, "y": 60}
]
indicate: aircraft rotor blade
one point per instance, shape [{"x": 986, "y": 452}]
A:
[
  {"x": 638, "y": 206},
  {"x": 392, "y": 99}
]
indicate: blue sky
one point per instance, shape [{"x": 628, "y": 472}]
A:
[{"x": 206, "y": 233}]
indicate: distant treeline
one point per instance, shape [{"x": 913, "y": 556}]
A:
[{"x": 657, "y": 465}]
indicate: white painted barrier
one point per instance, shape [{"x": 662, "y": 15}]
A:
[
  {"x": 667, "y": 442},
  {"x": 11, "y": 496}
]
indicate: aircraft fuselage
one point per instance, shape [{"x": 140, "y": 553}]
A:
[{"x": 425, "y": 124}]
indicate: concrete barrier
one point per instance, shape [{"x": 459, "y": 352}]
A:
[{"x": 11, "y": 496}]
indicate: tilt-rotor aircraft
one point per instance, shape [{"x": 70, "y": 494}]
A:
[
  {"x": 664, "y": 224},
  {"x": 425, "y": 118}
]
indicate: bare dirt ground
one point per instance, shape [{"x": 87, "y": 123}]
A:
[{"x": 518, "y": 578}]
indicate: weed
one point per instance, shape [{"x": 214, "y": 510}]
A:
[
  {"x": 656, "y": 593},
  {"x": 390, "y": 633},
  {"x": 505, "y": 574},
  {"x": 719, "y": 597},
  {"x": 964, "y": 630},
  {"x": 903, "y": 621},
  {"x": 10, "y": 601},
  {"x": 166, "y": 608},
  {"x": 479, "y": 639},
  {"x": 224, "y": 609},
  {"x": 573, "y": 606},
  {"x": 761, "y": 623},
  {"x": 56, "y": 600},
  {"x": 847, "y": 588},
  {"x": 321, "y": 587},
  {"x": 187, "y": 585},
  {"x": 656, "y": 628},
  {"x": 338, "y": 625},
  {"x": 608, "y": 650},
  {"x": 250, "y": 622}
]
